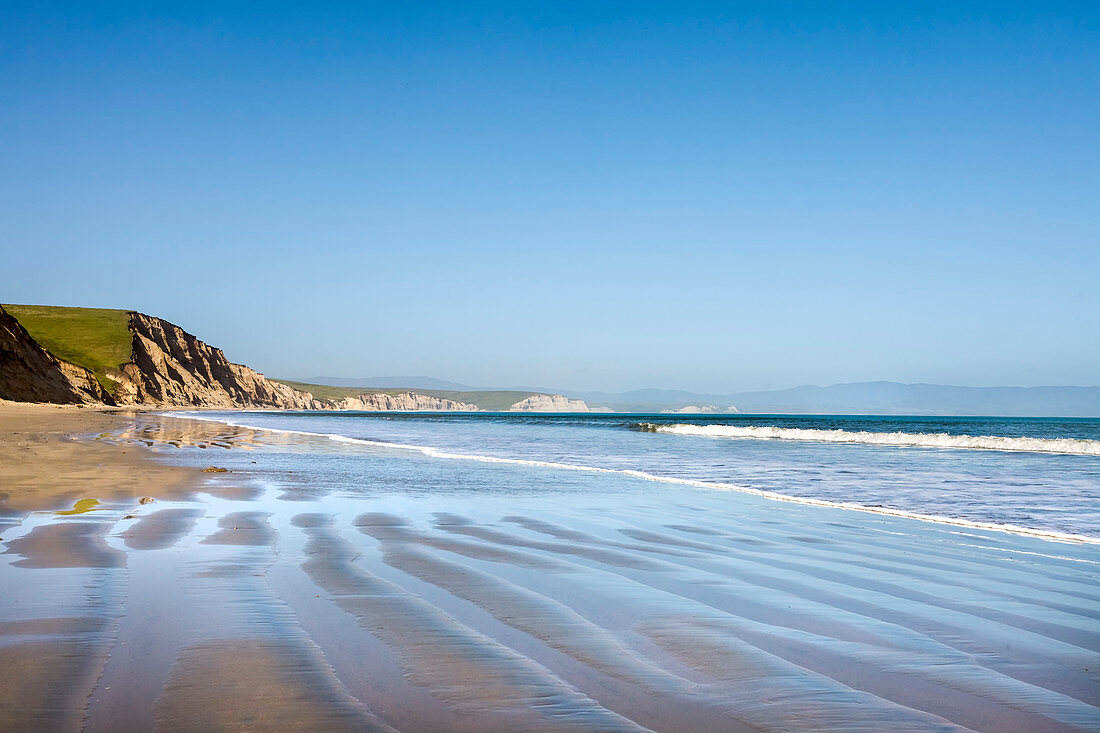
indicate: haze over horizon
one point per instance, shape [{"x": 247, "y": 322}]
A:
[
  {"x": 705, "y": 197},
  {"x": 429, "y": 382}
]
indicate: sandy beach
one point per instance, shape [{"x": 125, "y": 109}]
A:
[
  {"x": 44, "y": 466},
  {"x": 271, "y": 596}
]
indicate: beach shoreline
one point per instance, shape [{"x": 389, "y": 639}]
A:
[
  {"x": 48, "y": 461},
  {"x": 1048, "y": 534},
  {"x": 319, "y": 584}
]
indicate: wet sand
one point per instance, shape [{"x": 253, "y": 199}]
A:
[
  {"x": 44, "y": 466},
  {"x": 273, "y": 596}
]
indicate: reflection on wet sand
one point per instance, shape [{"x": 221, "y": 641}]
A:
[
  {"x": 160, "y": 529},
  {"x": 286, "y": 594},
  {"x": 173, "y": 432},
  {"x": 72, "y": 544},
  {"x": 243, "y": 528}
]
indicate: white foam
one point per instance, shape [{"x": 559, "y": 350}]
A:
[
  {"x": 1072, "y": 446},
  {"x": 721, "y": 486}
]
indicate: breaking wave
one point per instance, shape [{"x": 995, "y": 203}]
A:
[
  {"x": 714, "y": 485},
  {"x": 1072, "y": 446}
]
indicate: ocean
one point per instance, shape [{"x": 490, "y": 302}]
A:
[{"x": 1041, "y": 475}]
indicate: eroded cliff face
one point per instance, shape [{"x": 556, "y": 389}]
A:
[
  {"x": 170, "y": 367},
  {"x": 404, "y": 402},
  {"x": 549, "y": 403},
  {"x": 29, "y": 373}
]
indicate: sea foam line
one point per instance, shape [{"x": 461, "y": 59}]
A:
[
  {"x": 1071, "y": 446},
  {"x": 715, "y": 485}
]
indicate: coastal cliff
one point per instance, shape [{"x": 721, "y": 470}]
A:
[
  {"x": 404, "y": 402},
  {"x": 697, "y": 410},
  {"x": 549, "y": 403},
  {"x": 138, "y": 360},
  {"x": 170, "y": 367}
]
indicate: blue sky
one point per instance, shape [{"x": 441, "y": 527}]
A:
[{"x": 707, "y": 196}]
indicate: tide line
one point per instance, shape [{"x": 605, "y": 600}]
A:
[{"x": 713, "y": 485}]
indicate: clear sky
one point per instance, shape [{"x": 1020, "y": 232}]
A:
[{"x": 714, "y": 197}]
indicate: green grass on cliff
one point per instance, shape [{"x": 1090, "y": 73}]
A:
[
  {"x": 97, "y": 339},
  {"x": 325, "y": 392},
  {"x": 491, "y": 400}
]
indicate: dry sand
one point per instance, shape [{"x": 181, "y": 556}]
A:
[{"x": 265, "y": 599}]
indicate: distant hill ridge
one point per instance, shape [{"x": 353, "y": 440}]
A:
[
  {"x": 420, "y": 382},
  {"x": 927, "y": 399},
  {"x": 871, "y": 398},
  {"x": 119, "y": 357}
]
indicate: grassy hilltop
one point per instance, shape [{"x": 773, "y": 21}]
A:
[
  {"x": 491, "y": 400},
  {"x": 97, "y": 339}
]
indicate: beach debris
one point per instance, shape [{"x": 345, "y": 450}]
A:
[
  {"x": 80, "y": 507},
  {"x": 215, "y": 469},
  {"x": 146, "y": 500}
]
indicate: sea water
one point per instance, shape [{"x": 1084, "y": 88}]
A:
[{"x": 1036, "y": 474}]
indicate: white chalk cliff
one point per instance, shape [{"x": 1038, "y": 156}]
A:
[
  {"x": 404, "y": 402},
  {"x": 697, "y": 410},
  {"x": 549, "y": 403}
]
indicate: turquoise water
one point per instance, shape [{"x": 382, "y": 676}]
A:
[{"x": 1041, "y": 473}]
